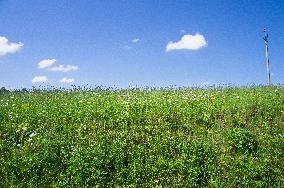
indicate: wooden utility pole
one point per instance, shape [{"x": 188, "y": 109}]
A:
[{"x": 265, "y": 38}]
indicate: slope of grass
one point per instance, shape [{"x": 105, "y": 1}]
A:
[{"x": 222, "y": 137}]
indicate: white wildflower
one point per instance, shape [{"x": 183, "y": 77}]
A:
[{"x": 33, "y": 134}]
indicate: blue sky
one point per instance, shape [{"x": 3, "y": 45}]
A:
[{"x": 122, "y": 42}]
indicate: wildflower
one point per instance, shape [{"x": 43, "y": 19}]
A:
[{"x": 33, "y": 134}]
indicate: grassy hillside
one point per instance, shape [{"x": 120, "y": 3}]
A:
[{"x": 230, "y": 137}]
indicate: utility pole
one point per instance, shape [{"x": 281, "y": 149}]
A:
[{"x": 265, "y": 38}]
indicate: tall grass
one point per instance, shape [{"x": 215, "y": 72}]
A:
[{"x": 218, "y": 137}]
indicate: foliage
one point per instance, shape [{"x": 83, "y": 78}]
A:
[
  {"x": 186, "y": 137},
  {"x": 242, "y": 140}
]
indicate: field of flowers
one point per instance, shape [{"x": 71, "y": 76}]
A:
[{"x": 216, "y": 137}]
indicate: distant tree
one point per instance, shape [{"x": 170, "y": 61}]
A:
[
  {"x": 3, "y": 89},
  {"x": 24, "y": 90}
]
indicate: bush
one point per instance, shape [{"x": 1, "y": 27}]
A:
[{"x": 242, "y": 140}]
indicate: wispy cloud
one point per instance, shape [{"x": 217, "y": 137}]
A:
[
  {"x": 188, "y": 42},
  {"x": 206, "y": 83},
  {"x": 39, "y": 79},
  {"x": 63, "y": 68},
  {"x": 126, "y": 47},
  {"x": 182, "y": 31},
  {"x": 7, "y": 47},
  {"x": 67, "y": 80},
  {"x": 46, "y": 63},
  {"x": 135, "y": 40}
]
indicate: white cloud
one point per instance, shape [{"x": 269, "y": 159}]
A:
[
  {"x": 46, "y": 63},
  {"x": 7, "y": 47},
  {"x": 63, "y": 68},
  {"x": 67, "y": 80},
  {"x": 38, "y": 79},
  {"x": 135, "y": 40},
  {"x": 189, "y": 42}
]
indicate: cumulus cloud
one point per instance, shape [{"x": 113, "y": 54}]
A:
[
  {"x": 67, "y": 80},
  {"x": 135, "y": 40},
  {"x": 46, "y": 63},
  {"x": 188, "y": 42},
  {"x": 7, "y": 47},
  {"x": 63, "y": 68},
  {"x": 38, "y": 79}
]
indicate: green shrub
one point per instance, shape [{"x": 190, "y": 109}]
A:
[{"x": 242, "y": 140}]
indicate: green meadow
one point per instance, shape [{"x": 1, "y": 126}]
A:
[{"x": 187, "y": 137}]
